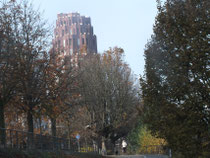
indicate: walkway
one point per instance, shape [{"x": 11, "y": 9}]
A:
[{"x": 138, "y": 156}]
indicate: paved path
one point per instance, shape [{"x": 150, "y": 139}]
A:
[
  {"x": 128, "y": 156},
  {"x": 138, "y": 156}
]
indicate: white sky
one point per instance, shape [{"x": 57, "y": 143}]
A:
[{"x": 123, "y": 23}]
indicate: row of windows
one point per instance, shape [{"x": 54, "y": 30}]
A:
[
  {"x": 72, "y": 21},
  {"x": 68, "y": 22},
  {"x": 73, "y": 31},
  {"x": 69, "y": 42}
]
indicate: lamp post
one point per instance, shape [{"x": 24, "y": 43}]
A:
[{"x": 78, "y": 137}]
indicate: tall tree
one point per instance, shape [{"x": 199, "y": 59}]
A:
[
  {"x": 8, "y": 64},
  {"x": 109, "y": 94},
  {"x": 60, "y": 85},
  {"x": 32, "y": 58},
  {"x": 176, "y": 84}
]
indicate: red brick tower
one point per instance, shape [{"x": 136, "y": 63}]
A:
[{"x": 74, "y": 34}]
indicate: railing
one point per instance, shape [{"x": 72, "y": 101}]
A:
[
  {"x": 25, "y": 140},
  {"x": 10, "y": 138}
]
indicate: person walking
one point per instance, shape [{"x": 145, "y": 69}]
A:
[{"x": 124, "y": 146}]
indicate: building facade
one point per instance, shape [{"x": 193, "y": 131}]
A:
[{"x": 73, "y": 34}]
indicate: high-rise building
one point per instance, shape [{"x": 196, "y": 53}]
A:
[{"x": 74, "y": 34}]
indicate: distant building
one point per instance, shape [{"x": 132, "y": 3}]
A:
[{"x": 73, "y": 35}]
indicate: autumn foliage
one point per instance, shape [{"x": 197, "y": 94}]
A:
[{"x": 44, "y": 92}]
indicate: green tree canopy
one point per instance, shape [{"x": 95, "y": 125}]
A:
[{"x": 176, "y": 86}]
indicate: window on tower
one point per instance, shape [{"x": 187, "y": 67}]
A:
[
  {"x": 86, "y": 41},
  {"x": 69, "y": 21},
  {"x": 70, "y": 41},
  {"x": 78, "y": 42},
  {"x": 64, "y": 43},
  {"x": 71, "y": 51},
  {"x": 66, "y": 30},
  {"x": 59, "y": 43}
]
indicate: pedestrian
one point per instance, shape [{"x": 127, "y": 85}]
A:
[{"x": 124, "y": 146}]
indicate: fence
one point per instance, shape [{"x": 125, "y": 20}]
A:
[
  {"x": 10, "y": 138},
  {"x": 24, "y": 140}
]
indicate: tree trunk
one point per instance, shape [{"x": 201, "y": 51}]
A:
[
  {"x": 2, "y": 125},
  {"x": 103, "y": 146},
  {"x": 115, "y": 149},
  {"x": 53, "y": 126},
  {"x": 40, "y": 125},
  {"x": 30, "y": 129},
  {"x": 30, "y": 122}
]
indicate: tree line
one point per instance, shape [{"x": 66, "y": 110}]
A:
[{"x": 97, "y": 98}]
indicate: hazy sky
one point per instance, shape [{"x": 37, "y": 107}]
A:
[{"x": 123, "y": 23}]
